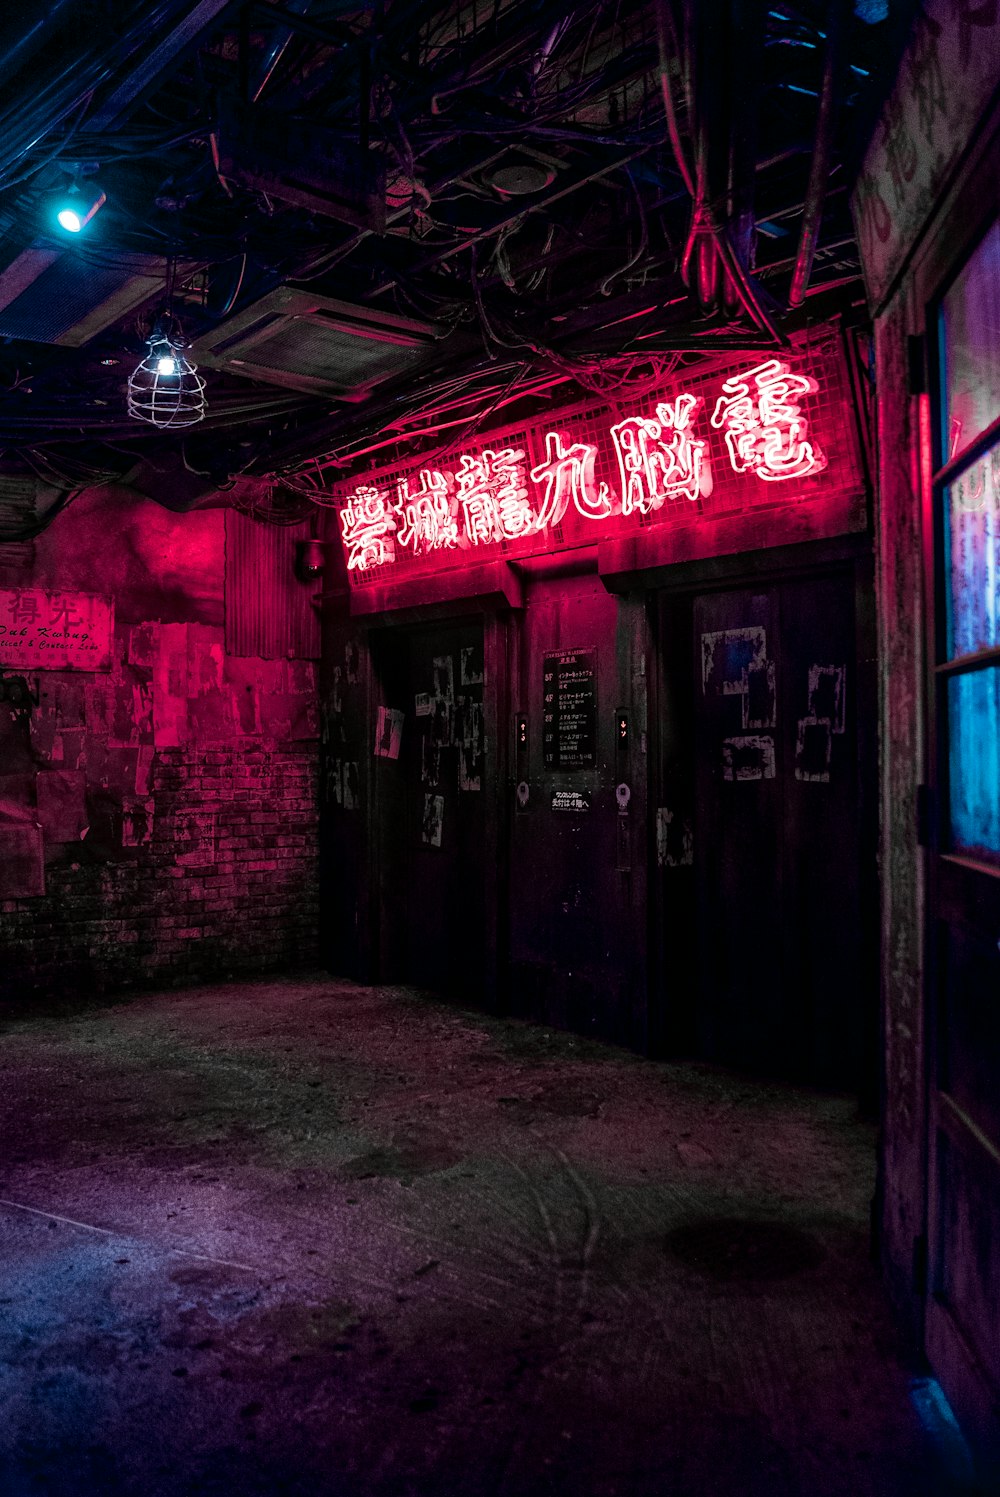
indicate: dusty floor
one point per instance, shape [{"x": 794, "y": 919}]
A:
[{"x": 298, "y": 1236}]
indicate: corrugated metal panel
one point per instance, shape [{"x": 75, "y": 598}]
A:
[
  {"x": 268, "y": 610},
  {"x": 18, "y": 512}
]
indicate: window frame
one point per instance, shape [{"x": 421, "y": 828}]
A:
[{"x": 943, "y": 472}]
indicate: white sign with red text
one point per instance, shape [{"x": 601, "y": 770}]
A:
[{"x": 55, "y": 631}]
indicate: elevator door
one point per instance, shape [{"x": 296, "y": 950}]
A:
[
  {"x": 767, "y": 964},
  {"x": 429, "y": 824}
]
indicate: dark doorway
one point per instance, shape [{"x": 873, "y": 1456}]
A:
[
  {"x": 429, "y": 745},
  {"x": 767, "y": 963}
]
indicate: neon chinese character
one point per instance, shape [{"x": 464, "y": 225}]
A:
[
  {"x": 660, "y": 459},
  {"x": 493, "y": 496},
  {"x": 426, "y": 519},
  {"x": 368, "y": 525},
  {"x": 766, "y": 431},
  {"x": 568, "y": 473}
]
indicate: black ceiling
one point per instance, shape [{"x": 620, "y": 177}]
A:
[{"x": 434, "y": 212}]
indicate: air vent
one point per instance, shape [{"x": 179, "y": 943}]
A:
[
  {"x": 53, "y": 296},
  {"x": 22, "y": 498},
  {"x": 308, "y": 342}
]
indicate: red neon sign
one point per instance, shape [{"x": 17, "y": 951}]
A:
[
  {"x": 568, "y": 473},
  {"x": 659, "y": 459},
  {"x": 368, "y": 526},
  {"x": 426, "y": 519},
  {"x": 492, "y": 496},
  {"x": 492, "y": 493},
  {"x": 766, "y": 431}
]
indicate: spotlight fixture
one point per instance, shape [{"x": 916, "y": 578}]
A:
[
  {"x": 166, "y": 389},
  {"x": 309, "y": 559},
  {"x": 75, "y": 207}
]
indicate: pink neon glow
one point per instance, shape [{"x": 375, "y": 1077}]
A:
[
  {"x": 368, "y": 526},
  {"x": 427, "y": 518},
  {"x": 766, "y": 431},
  {"x": 659, "y": 459},
  {"x": 568, "y": 473},
  {"x": 492, "y": 493},
  {"x": 487, "y": 499}
]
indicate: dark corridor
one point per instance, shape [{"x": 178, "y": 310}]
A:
[{"x": 428, "y": 801}]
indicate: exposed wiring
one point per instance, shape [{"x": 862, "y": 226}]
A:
[{"x": 608, "y": 282}]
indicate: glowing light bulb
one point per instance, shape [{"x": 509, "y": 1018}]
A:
[
  {"x": 74, "y": 209},
  {"x": 166, "y": 388}
]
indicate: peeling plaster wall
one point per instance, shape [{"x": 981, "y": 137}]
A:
[{"x": 157, "y": 819}]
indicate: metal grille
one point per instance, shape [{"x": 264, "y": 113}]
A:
[
  {"x": 62, "y": 296},
  {"x": 306, "y": 348}
]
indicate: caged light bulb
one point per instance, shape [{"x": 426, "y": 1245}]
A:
[{"x": 166, "y": 389}]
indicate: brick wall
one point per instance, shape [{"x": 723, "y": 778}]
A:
[
  {"x": 158, "y": 812},
  {"x": 227, "y": 883}
]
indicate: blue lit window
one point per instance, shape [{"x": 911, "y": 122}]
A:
[{"x": 968, "y": 500}]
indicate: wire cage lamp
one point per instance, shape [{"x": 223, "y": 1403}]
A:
[{"x": 166, "y": 389}]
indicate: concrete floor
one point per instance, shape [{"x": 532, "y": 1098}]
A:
[{"x": 298, "y": 1236}]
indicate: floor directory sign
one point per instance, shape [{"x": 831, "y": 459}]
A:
[{"x": 569, "y": 709}]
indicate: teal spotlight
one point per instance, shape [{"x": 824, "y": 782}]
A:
[{"x": 75, "y": 208}]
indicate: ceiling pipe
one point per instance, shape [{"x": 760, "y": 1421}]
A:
[
  {"x": 709, "y": 259},
  {"x": 276, "y": 51},
  {"x": 19, "y": 49},
  {"x": 829, "y": 102},
  {"x": 746, "y": 45},
  {"x": 670, "y": 53},
  {"x": 180, "y": 28}
]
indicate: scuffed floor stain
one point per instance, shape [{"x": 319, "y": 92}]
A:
[{"x": 304, "y": 1237}]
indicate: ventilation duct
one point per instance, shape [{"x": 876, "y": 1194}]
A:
[
  {"x": 313, "y": 343},
  {"x": 48, "y": 295},
  {"x": 304, "y": 164}
]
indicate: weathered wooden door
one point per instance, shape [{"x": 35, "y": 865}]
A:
[
  {"x": 963, "y": 1307},
  {"x": 429, "y": 742},
  {"x": 762, "y": 850}
]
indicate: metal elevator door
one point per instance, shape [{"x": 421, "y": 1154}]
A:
[{"x": 768, "y": 965}]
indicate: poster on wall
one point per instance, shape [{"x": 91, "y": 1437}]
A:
[
  {"x": 433, "y": 821},
  {"x": 388, "y": 733},
  {"x": 56, "y": 631}
]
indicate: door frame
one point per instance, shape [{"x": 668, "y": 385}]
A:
[{"x": 963, "y": 215}]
